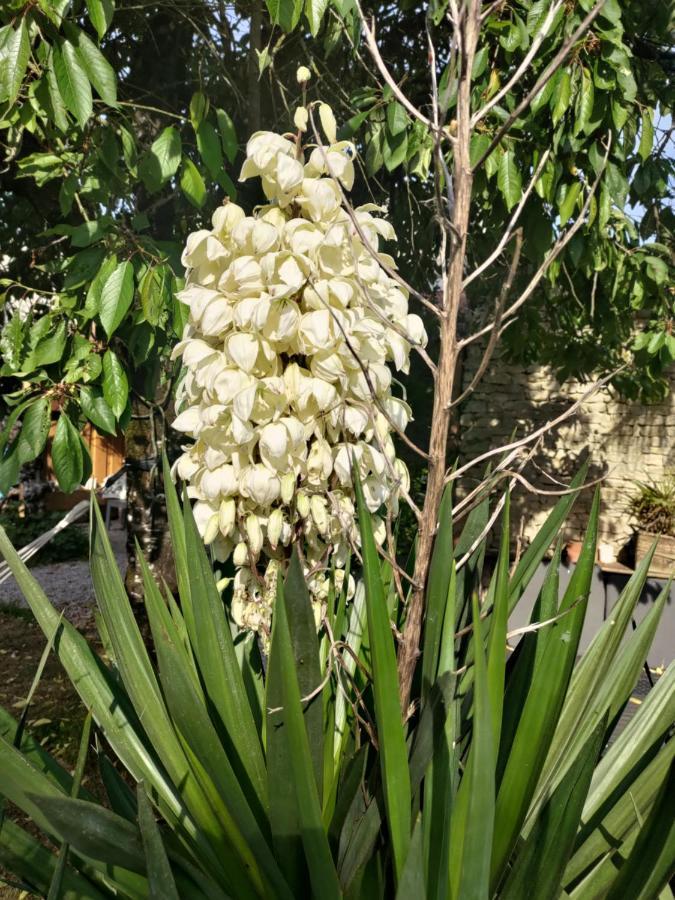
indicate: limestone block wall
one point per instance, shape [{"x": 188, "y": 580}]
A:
[{"x": 624, "y": 441}]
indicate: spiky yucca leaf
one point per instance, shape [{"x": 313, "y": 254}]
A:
[{"x": 330, "y": 787}]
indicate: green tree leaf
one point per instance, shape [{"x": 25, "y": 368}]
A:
[
  {"x": 72, "y": 81},
  {"x": 97, "y": 68},
  {"x": 228, "y": 135},
  {"x": 394, "y": 150},
  {"x": 34, "y": 430},
  {"x": 162, "y": 159},
  {"x": 646, "y": 135},
  {"x": 93, "y": 302},
  {"x": 9, "y": 469},
  {"x": 154, "y": 292},
  {"x": 397, "y": 118},
  {"x": 210, "y": 150},
  {"x": 315, "y": 10},
  {"x": 508, "y": 180},
  {"x": 90, "y": 232},
  {"x": 584, "y": 104},
  {"x": 100, "y": 15},
  {"x": 285, "y": 13},
  {"x": 192, "y": 183},
  {"x": 12, "y": 339},
  {"x": 59, "y": 115},
  {"x": 16, "y": 53},
  {"x": 115, "y": 383},
  {"x": 568, "y": 202},
  {"x": 48, "y": 348},
  {"x": 116, "y": 296},
  {"x": 199, "y": 107},
  {"x": 560, "y": 99},
  {"x": 96, "y": 409},
  {"x": 67, "y": 457}
]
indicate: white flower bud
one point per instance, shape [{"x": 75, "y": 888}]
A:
[
  {"x": 300, "y": 118},
  {"x": 275, "y": 523},
  {"x": 328, "y": 122},
  {"x": 319, "y": 514},
  {"x": 227, "y": 517},
  {"x": 288, "y": 482},
  {"x": 254, "y": 534},
  {"x": 302, "y": 504},
  {"x": 379, "y": 530},
  {"x": 211, "y": 530},
  {"x": 303, "y": 75},
  {"x": 240, "y": 554}
]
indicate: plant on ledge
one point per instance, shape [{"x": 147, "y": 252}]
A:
[{"x": 653, "y": 505}]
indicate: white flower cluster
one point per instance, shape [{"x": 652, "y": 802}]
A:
[{"x": 293, "y": 322}]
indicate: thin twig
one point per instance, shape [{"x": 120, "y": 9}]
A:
[
  {"x": 495, "y": 333},
  {"x": 552, "y": 255},
  {"x": 508, "y": 234},
  {"x": 549, "y": 426}
]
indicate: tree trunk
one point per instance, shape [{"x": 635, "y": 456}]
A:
[
  {"x": 146, "y": 507},
  {"x": 255, "y": 46}
]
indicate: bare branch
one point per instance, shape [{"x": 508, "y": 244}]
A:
[
  {"x": 496, "y": 328},
  {"x": 452, "y": 278},
  {"x": 549, "y": 426},
  {"x": 537, "y": 626},
  {"x": 506, "y": 237},
  {"x": 369, "y": 32},
  {"x": 491, "y": 8},
  {"x": 493, "y": 518},
  {"x": 553, "y": 254},
  {"x": 542, "y": 492}
]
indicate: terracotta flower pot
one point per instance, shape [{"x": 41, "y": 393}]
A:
[{"x": 572, "y": 552}]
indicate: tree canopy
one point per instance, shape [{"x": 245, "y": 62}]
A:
[{"x": 122, "y": 128}]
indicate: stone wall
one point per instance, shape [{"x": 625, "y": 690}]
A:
[{"x": 624, "y": 441}]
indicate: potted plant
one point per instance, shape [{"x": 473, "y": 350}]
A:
[{"x": 653, "y": 505}]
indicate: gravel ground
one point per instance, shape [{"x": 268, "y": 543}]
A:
[
  {"x": 68, "y": 584},
  {"x": 56, "y": 713}
]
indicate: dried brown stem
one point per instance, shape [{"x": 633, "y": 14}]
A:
[
  {"x": 453, "y": 276},
  {"x": 549, "y": 426},
  {"x": 494, "y": 334}
]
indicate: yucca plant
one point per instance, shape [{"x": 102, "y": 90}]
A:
[{"x": 294, "y": 774}]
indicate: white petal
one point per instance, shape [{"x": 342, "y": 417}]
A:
[
  {"x": 273, "y": 445},
  {"x": 243, "y": 402},
  {"x": 289, "y": 172},
  {"x": 188, "y": 421},
  {"x": 216, "y": 317},
  {"x": 196, "y": 351},
  {"x": 243, "y": 348},
  {"x": 315, "y": 329}
]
